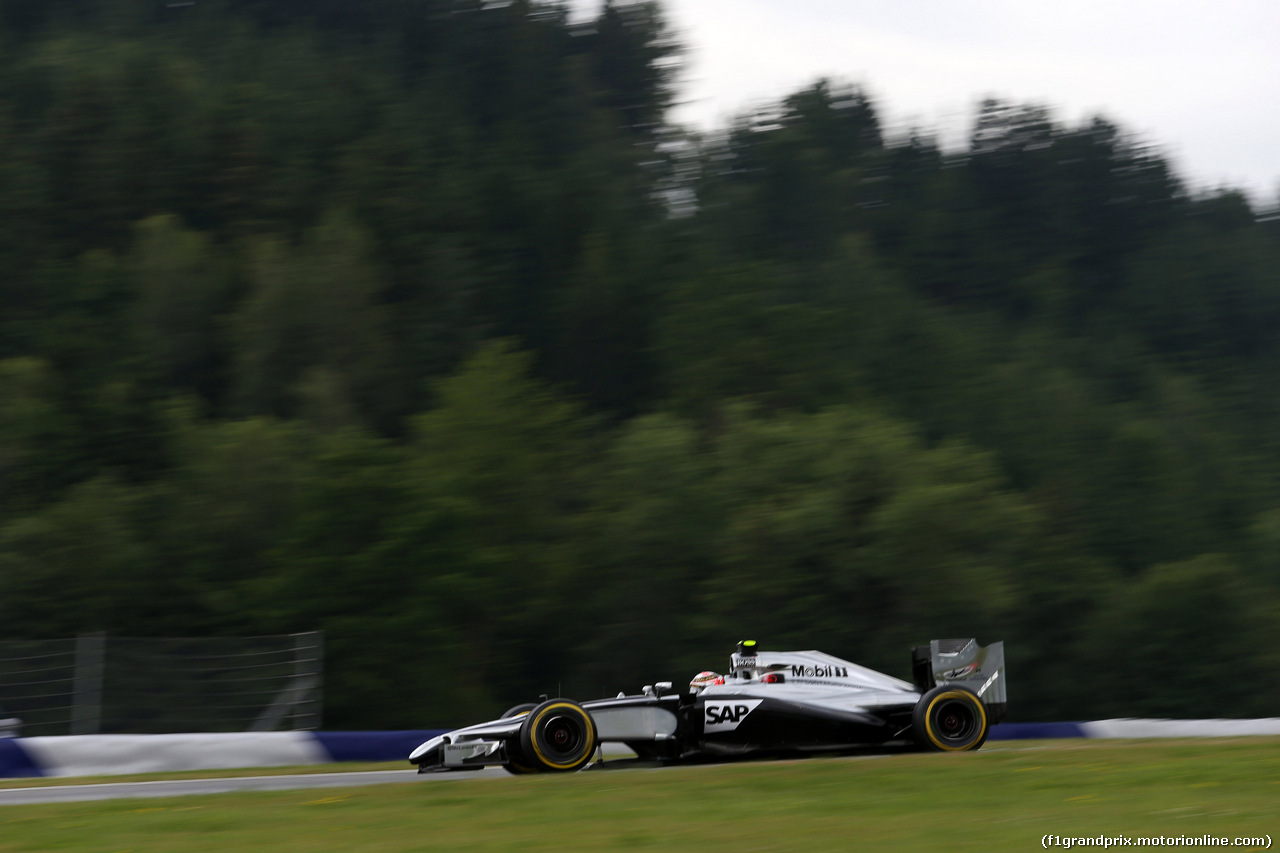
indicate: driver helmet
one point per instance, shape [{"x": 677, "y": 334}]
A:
[{"x": 704, "y": 679}]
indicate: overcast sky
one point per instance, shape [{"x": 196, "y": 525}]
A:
[{"x": 1199, "y": 78}]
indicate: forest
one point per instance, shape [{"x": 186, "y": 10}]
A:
[{"x": 419, "y": 323}]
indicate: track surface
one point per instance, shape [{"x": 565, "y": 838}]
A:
[
  {"x": 188, "y": 787},
  {"x": 185, "y": 787}
]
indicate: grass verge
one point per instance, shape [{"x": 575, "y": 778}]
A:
[{"x": 1005, "y": 797}]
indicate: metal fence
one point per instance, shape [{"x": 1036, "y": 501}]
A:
[{"x": 96, "y": 684}]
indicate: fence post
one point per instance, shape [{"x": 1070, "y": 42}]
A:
[
  {"x": 309, "y": 668},
  {"x": 299, "y": 701},
  {"x": 86, "y": 685}
]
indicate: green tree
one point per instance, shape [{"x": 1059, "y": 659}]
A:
[
  {"x": 85, "y": 564},
  {"x": 183, "y": 293},
  {"x": 318, "y": 306},
  {"x": 33, "y": 435},
  {"x": 1170, "y": 644},
  {"x": 648, "y": 536}
]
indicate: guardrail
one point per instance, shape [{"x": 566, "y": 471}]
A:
[
  {"x": 1137, "y": 728},
  {"x": 105, "y": 755}
]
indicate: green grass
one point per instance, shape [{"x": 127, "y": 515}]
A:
[{"x": 1004, "y": 797}]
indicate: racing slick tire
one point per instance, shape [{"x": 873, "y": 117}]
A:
[
  {"x": 558, "y": 736},
  {"x": 517, "y": 764},
  {"x": 950, "y": 718}
]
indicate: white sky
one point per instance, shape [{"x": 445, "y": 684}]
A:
[{"x": 1198, "y": 78}]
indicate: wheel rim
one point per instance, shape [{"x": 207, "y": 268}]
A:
[
  {"x": 955, "y": 720},
  {"x": 562, "y": 736},
  {"x": 558, "y": 735}
]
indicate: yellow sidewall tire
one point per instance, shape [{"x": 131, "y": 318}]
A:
[
  {"x": 531, "y": 735},
  {"x": 926, "y": 721}
]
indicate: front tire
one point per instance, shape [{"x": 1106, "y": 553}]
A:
[
  {"x": 558, "y": 736},
  {"x": 950, "y": 719},
  {"x": 517, "y": 764},
  {"x": 517, "y": 710}
]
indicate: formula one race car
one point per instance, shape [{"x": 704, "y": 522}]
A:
[{"x": 768, "y": 703}]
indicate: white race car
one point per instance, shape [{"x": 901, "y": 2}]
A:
[{"x": 768, "y": 702}]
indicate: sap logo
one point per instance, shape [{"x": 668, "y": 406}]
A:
[
  {"x": 725, "y": 716},
  {"x": 819, "y": 672},
  {"x": 726, "y": 713}
]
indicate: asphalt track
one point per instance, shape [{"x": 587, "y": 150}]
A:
[
  {"x": 187, "y": 787},
  {"x": 191, "y": 787}
]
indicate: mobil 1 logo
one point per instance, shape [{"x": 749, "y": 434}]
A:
[
  {"x": 727, "y": 715},
  {"x": 820, "y": 671}
]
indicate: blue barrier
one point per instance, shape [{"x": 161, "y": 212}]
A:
[
  {"x": 1035, "y": 731},
  {"x": 95, "y": 755},
  {"x": 14, "y": 761},
  {"x": 374, "y": 746}
]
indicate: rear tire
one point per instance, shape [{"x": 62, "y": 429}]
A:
[
  {"x": 950, "y": 718},
  {"x": 558, "y": 736}
]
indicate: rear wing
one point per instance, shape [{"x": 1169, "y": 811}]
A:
[{"x": 966, "y": 664}]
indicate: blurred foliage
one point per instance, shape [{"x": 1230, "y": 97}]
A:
[{"x": 413, "y": 321}]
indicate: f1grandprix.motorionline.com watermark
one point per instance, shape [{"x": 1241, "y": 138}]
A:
[{"x": 1047, "y": 841}]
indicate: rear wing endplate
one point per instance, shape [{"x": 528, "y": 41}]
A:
[{"x": 966, "y": 664}]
